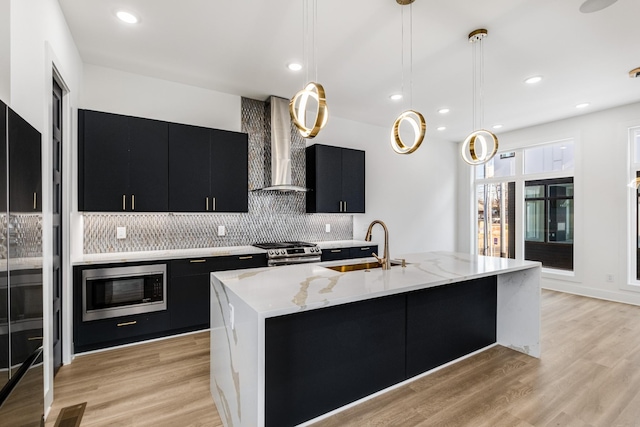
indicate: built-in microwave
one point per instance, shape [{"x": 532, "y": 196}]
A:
[{"x": 123, "y": 291}]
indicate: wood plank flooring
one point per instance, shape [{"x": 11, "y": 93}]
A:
[{"x": 589, "y": 375}]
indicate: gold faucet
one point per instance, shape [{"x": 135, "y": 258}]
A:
[{"x": 384, "y": 261}]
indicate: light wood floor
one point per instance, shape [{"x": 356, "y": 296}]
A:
[{"x": 589, "y": 375}]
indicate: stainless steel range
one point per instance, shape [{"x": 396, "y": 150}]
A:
[{"x": 285, "y": 253}]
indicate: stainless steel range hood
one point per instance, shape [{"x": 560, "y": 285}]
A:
[{"x": 281, "y": 148}]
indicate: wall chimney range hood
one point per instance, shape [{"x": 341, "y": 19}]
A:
[{"x": 281, "y": 148}]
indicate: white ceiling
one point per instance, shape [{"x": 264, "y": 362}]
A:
[{"x": 242, "y": 47}]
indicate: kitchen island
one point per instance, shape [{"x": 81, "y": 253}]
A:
[{"x": 289, "y": 344}]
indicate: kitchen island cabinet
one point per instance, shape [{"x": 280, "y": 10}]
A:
[{"x": 307, "y": 334}]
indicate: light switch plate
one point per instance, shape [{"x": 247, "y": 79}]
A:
[
  {"x": 121, "y": 232},
  {"x": 327, "y": 228},
  {"x": 222, "y": 230}
]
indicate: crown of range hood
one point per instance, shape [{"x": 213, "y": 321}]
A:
[{"x": 281, "y": 148}]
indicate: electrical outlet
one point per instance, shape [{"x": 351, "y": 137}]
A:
[
  {"x": 222, "y": 230},
  {"x": 121, "y": 232},
  {"x": 327, "y": 228},
  {"x": 610, "y": 277}
]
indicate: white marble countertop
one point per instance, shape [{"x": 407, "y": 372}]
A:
[
  {"x": 275, "y": 291},
  {"x": 105, "y": 258}
]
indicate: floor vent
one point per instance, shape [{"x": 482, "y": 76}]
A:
[{"x": 71, "y": 416}]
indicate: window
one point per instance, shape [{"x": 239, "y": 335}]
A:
[
  {"x": 548, "y": 158},
  {"x": 542, "y": 177},
  {"x": 496, "y": 219},
  {"x": 549, "y": 211},
  {"x": 634, "y": 139}
]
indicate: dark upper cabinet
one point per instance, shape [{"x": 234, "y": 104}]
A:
[
  {"x": 336, "y": 177},
  {"x": 25, "y": 165},
  {"x": 123, "y": 163},
  {"x": 208, "y": 170},
  {"x": 229, "y": 170}
]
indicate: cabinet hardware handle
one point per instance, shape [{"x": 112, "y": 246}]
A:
[
  {"x": 34, "y": 338},
  {"x": 127, "y": 323},
  {"x": 214, "y": 203},
  {"x": 35, "y": 201},
  {"x": 124, "y": 202},
  {"x": 340, "y": 205},
  {"x": 345, "y": 206},
  {"x": 336, "y": 250},
  {"x": 207, "y": 204},
  {"x": 364, "y": 249},
  {"x": 198, "y": 260},
  {"x": 245, "y": 257},
  {"x": 133, "y": 202}
]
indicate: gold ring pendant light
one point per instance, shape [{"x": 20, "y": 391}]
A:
[
  {"x": 298, "y": 109},
  {"x": 413, "y": 117},
  {"x": 481, "y": 145},
  {"x": 313, "y": 90}
]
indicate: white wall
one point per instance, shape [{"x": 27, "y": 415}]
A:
[
  {"x": 39, "y": 42},
  {"x": 413, "y": 194},
  {"x": 601, "y": 199},
  {"x": 114, "y": 91},
  {"x": 5, "y": 51}
]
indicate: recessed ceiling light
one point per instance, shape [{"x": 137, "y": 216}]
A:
[
  {"x": 127, "y": 17},
  {"x": 443, "y": 110},
  {"x": 294, "y": 66},
  {"x": 395, "y": 97},
  {"x": 441, "y": 128},
  {"x": 498, "y": 126},
  {"x": 583, "y": 105},
  {"x": 533, "y": 80}
]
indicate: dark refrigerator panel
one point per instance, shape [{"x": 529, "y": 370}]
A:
[{"x": 21, "y": 299}]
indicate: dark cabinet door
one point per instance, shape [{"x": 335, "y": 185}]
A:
[
  {"x": 229, "y": 171},
  {"x": 319, "y": 360},
  {"x": 25, "y": 160},
  {"x": 189, "y": 168},
  {"x": 103, "y": 162},
  {"x": 447, "y": 322},
  {"x": 335, "y": 254},
  {"x": 336, "y": 177},
  {"x": 324, "y": 177},
  {"x": 189, "y": 301},
  {"x": 363, "y": 251},
  {"x": 353, "y": 180},
  {"x": 148, "y": 165}
]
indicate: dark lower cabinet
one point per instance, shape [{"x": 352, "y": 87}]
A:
[
  {"x": 335, "y": 254},
  {"x": 447, "y": 322},
  {"x": 320, "y": 360},
  {"x": 189, "y": 287},
  {"x": 188, "y": 303}
]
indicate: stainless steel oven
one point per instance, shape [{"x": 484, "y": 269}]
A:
[{"x": 123, "y": 291}]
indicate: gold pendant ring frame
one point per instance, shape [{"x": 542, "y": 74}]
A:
[
  {"x": 419, "y": 125},
  {"x": 298, "y": 109},
  {"x": 475, "y": 148}
]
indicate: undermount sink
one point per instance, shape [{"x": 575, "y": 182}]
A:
[{"x": 362, "y": 266}]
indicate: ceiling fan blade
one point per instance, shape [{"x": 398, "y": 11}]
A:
[{"x": 590, "y": 6}]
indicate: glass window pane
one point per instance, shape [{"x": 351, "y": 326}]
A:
[
  {"x": 561, "y": 190},
  {"x": 636, "y": 135},
  {"x": 533, "y": 191},
  {"x": 501, "y": 165},
  {"x": 561, "y": 221},
  {"x": 534, "y": 221},
  {"x": 479, "y": 171},
  {"x": 549, "y": 158}
]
